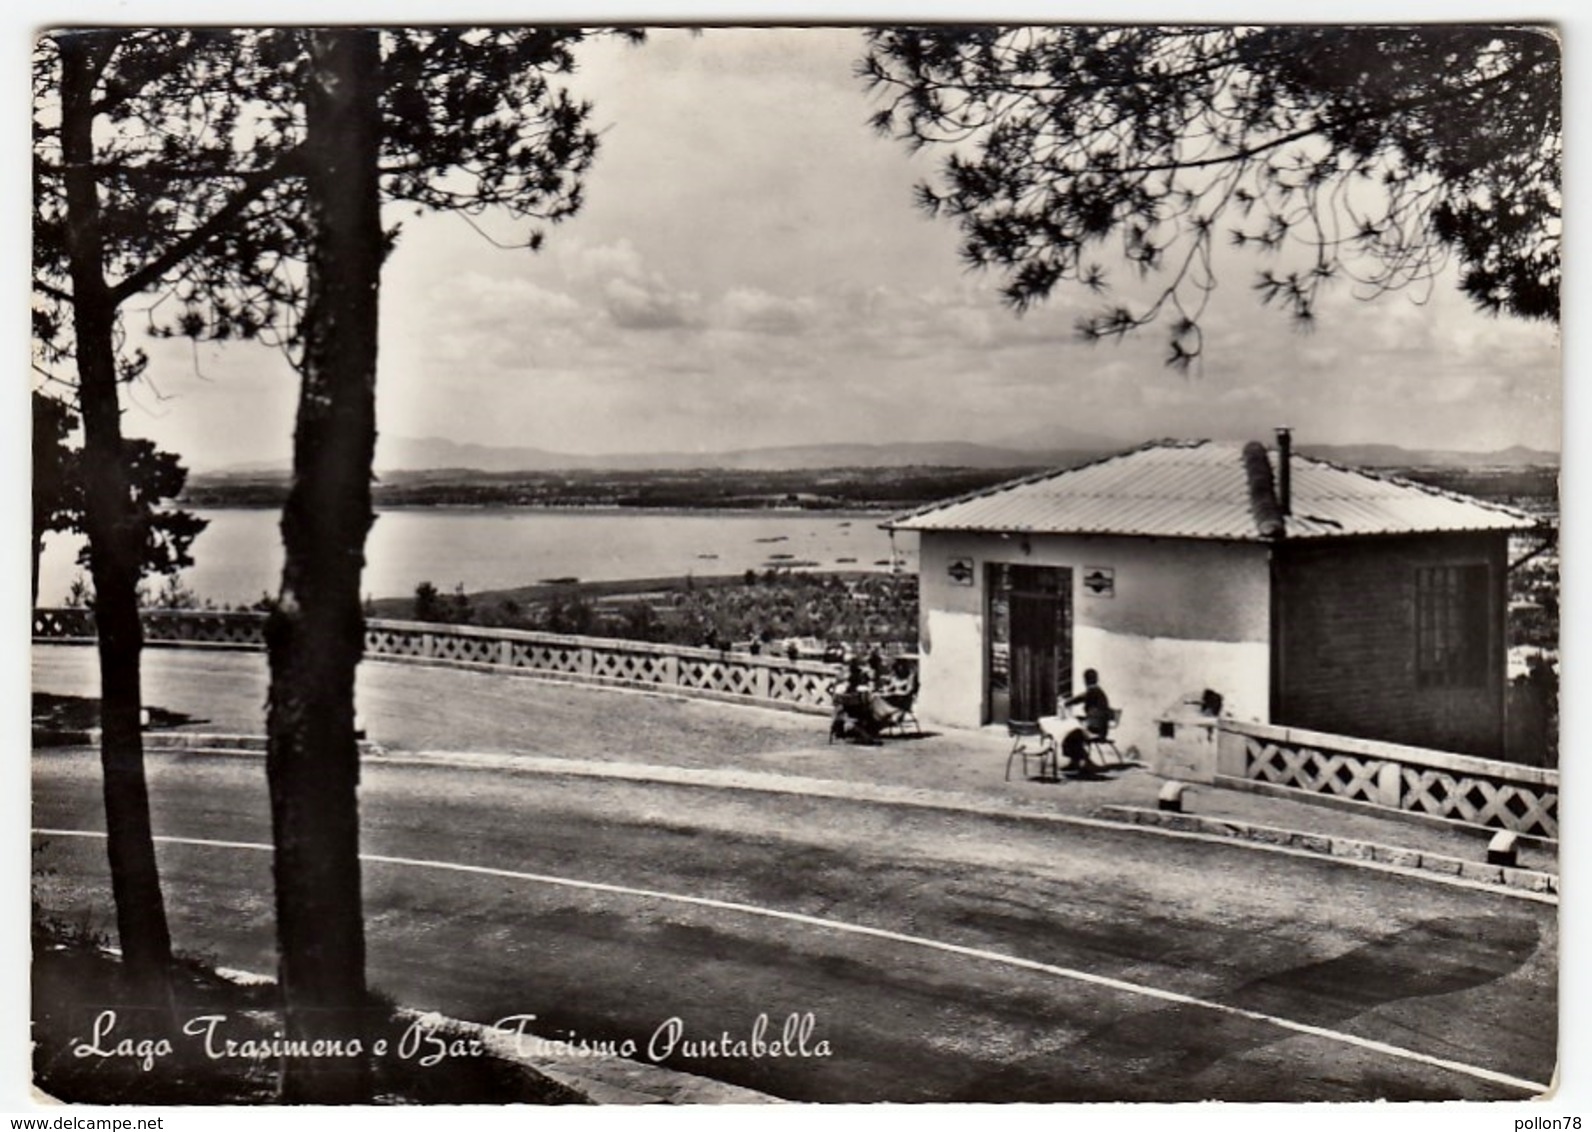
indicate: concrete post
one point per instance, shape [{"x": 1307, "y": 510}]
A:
[
  {"x": 1230, "y": 753},
  {"x": 1389, "y": 779},
  {"x": 1503, "y": 850}
]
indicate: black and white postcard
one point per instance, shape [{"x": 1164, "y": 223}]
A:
[{"x": 747, "y": 564}]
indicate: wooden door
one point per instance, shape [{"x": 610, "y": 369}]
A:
[
  {"x": 1032, "y": 636},
  {"x": 1034, "y": 639}
]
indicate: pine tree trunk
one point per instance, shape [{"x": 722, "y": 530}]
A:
[
  {"x": 315, "y": 636},
  {"x": 115, "y": 541}
]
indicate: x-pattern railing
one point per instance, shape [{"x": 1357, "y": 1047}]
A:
[
  {"x": 802, "y": 685},
  {"x": 1438, "y": 784},
  {"x": 1321, "y": 772},
  {"x": 1481, "y": 801}
]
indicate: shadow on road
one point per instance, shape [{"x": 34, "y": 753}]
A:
[
  {"x": 1438, "y": 956},
  {"x": 64, "y": 721}
]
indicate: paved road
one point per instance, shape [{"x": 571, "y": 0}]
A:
[
  {"x": 415, "y": 707},
  {"x": 422, "y": 708},
  {"x": 1156, "y": 969}
]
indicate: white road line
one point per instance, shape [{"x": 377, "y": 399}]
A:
[
  {"x": 844, "y": 926},
  {"x": 792, "y": 785}
]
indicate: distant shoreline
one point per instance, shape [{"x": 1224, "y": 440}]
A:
[
  {"x": 824, "y": 491},
  {"x": 580, "y": 509},
  {"x": 618, "y": 588}
]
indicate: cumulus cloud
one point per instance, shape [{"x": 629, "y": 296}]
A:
[
  {"x": 648, "y": 305},
  {"x": 758, "y": 312},
  {"x": 582, "y": 262},
  {"x": 620, "y": 288}
]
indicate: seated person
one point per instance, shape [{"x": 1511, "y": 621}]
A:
[
  {"x": 873, "y": 696},
  {"x": 1096, "y": 721},
  {"x": 858, "y": 683},
  {"x": 856, "y": 716},
  {"x": 899, "y": 687}
]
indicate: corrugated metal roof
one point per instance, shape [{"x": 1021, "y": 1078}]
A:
[{"x": 1199, "y": 489}]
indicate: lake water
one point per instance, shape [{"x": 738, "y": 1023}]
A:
[{"x": 239, "y": 556}]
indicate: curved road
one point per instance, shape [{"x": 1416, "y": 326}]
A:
[{"x": 1146, "y": 968}]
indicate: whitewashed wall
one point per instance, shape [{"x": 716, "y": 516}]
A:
[{"x": 1186, "y": 615}]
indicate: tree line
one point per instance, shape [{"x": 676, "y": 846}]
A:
[{"x": 815, "y": 489}]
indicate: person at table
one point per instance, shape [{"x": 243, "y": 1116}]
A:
[
  {"x": 855, "y": 717},
  {"x": 858, "y": 682},
  {"x": 897, "y": 688},
  {"x": 1095, "y": 717},
  {"x": 890, "y": 691}
]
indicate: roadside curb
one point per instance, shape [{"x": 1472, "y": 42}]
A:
[
  {"x": 217, "y": 744},
  {"x": 1520, "y": 883},
  {"x": 1343, "y": 848}
]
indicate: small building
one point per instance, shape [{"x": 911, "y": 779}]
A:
[{"x": 1304, "y": 593}]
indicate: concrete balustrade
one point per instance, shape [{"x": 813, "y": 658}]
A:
[
  {"x": 706, "y": 673},
  {"x": 1352, "y": 772}
]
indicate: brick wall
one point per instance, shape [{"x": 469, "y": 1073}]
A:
[{"x": 1345, "y": 651}]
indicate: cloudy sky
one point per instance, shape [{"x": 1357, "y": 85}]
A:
[{"x": 750, "y": 270}]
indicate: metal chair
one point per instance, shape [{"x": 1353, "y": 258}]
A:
[
  {"x": 903, "y": 724},
  {"x": 1030, "y": 741},
  {"x": 1106, "y": 742},
  {"x": 902, "y": 695}
]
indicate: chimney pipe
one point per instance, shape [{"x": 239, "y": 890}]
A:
[{"x": 1284, "y": 470}]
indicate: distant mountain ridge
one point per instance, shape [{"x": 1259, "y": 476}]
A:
[
  {"x": 1393, "y": 456},
  {"x": 402, "y": 454},
  {"x": 434, "y": 454}
]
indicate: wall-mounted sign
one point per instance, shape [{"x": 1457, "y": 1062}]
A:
[
  {"x": 1100, "y": 581},
  {"x": 960, "y": 571}
]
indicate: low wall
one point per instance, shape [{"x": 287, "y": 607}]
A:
[
  {"x": 706, "y": 673},
  {"x": 1455, "y": 789}
]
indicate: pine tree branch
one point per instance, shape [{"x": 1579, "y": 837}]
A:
[{"x": 254, "y": 187}]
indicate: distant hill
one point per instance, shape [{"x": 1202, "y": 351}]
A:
[
  {"x": 1052, "y": 438},
  {"x": 433, "y": 454},
  {"x": 420, "y": 455},
  {"x": 1392, "y": 456}
]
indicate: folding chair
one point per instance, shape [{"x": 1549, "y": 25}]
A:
[
  {"x": 1030, "y": 741},
  {"x": 903, "y": 724},
  {"x": 1106, "y": 742},
  {"x": 903, "y": 697}
]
